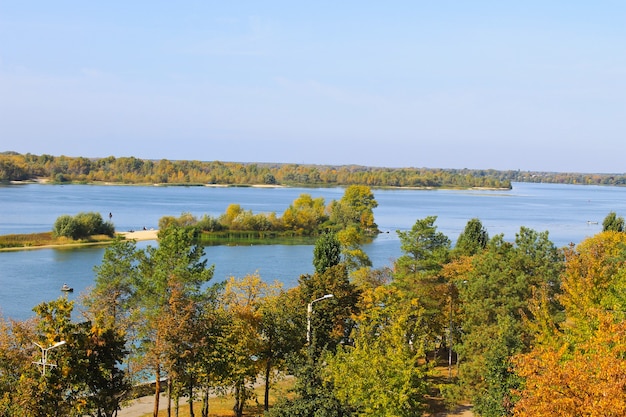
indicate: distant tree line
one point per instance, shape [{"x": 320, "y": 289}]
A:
[{"x": 131, "y": 170}]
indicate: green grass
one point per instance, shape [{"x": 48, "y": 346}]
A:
[
  {"x": 222, "y": 406},
  {"x": 33, "y": 240}
]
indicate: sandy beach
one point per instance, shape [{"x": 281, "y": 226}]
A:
[{"x": 140, "y": 235}]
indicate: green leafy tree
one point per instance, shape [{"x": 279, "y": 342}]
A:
[
  {"x": 280, "y": 331},
  {"x": 613, "y": 222},
  {"x": 65, "y": 225},
  {"x": 383, "y": 373},
  {"x": 82, "y": 373},
  {"x": 419, "y": 272},
  {"x": 326, "y": 253},
  {"x": 82, "y": 226},
  {"x": 424, "y": 250},
  {"x": 313, "y": 397},
  {"x": 331, "y": 321},
  {"x": 210, "y": 364},
  {"x": 353, "y": 255},
  {"x": 111, "y": 299},
  {"x": 103, "y": 382},
  {"x": 473, "y": 239}
]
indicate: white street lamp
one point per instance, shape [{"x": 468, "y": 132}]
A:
[
  {"x": 308, "y": 315},
  {"x": 44, "y": 356}
]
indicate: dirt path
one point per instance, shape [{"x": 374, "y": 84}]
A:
[
  {"x": 144, "y": 406},
  {"x": 463, "y": 411},
  {"x": 140, "y": 407}
]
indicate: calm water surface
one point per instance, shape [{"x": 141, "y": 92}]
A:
[{"x": 570, "y": 213}]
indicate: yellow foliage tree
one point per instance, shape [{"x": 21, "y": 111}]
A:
[
  {"x": 585, "y": 380},
  {"x": 578, "y": 367}
]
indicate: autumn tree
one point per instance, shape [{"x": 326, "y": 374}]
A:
[
  {"x": 51, "y": 389},
  {"x": 356, "y": 207},
  {"x": 571, "y": 380},
  {"x": 577, "y": 367},
  {"x": 242, "y": 299},
  {"x": 280, "y": 331},
  {"x": 15, "y": 361},
  {"x": 263, "y": 330},
  {"x": 305, "y": 214},
  {"x": 79, "y": 370},
  {"x": 177, "y": 263}
]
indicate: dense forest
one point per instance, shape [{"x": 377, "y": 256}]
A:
[
  {"x": 131, "y": 170},
  {"x": 518, "y": 328},
  {"x": 14, "y": 167}
]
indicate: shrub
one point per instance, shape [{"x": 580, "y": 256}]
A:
[
  {"x": 65, "y": 226},
  {"x": 82, "y": 226}
]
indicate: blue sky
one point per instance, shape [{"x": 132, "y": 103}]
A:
[{"x": 533, "y": 85}]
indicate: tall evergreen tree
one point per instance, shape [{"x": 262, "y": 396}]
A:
[
  {"x": 473, "y": 239},
  {"x": 496, "y": 294}
]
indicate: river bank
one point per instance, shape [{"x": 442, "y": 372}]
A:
[{"x": 139, "y": 235}]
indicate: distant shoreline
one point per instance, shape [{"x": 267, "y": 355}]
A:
[{"x": 165, "y": 184}]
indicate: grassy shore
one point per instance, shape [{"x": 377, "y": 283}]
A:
[{"x": 48, "y": 240}]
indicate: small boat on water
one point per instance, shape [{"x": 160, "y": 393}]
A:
[{"x": 67, "y": 288}]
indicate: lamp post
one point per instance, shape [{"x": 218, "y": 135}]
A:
[
  {"x": 308, "y": 316},
  {"x": 44, "y": 356}
]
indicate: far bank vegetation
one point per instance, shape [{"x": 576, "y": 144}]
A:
[{"x": 131, "y": 170}]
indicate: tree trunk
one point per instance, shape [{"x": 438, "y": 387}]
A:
[
  {"x": 239, "y": 400},
  {"x": 190, "y": 399},
  {"x": 157, "y": 391},
  {"x": 268, "y": 370},
  {"x": 169, "y": 397},
  {"x": 205, "y": 402}
]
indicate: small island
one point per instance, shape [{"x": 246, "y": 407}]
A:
[{"x": 305, "y": 219}]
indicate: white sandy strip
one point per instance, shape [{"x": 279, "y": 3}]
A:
[{"x": 140, "y": 235}]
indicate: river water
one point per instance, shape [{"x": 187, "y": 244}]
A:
[{"x": 569, "y": 212}]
